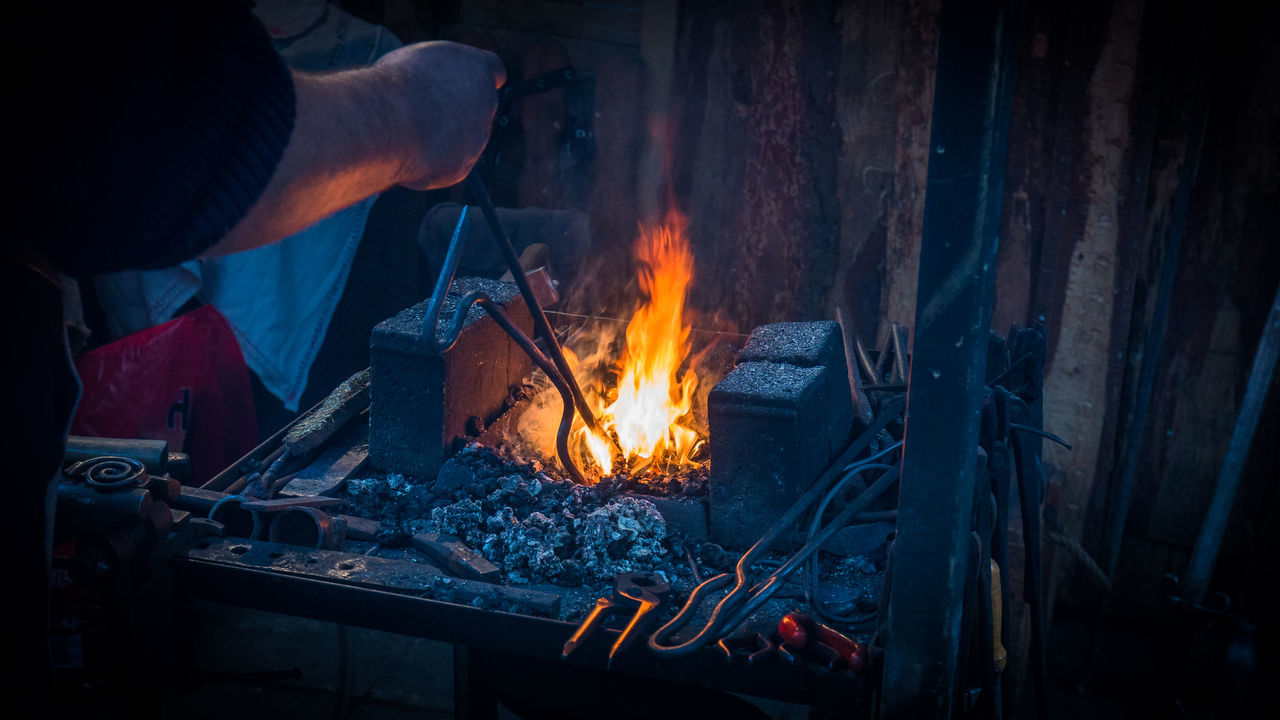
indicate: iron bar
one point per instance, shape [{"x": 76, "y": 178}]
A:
[
  {"x": 967, "y": 156},
  {"x": 541, "y": 327},
  {"x": 1205, "y": 555}
]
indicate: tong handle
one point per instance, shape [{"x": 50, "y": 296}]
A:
[
  {"x": 587, "y": 626},
  {"x": 629, "y": 632}
]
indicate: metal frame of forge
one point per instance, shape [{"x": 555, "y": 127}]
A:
[{"x": 967, "y": 151}]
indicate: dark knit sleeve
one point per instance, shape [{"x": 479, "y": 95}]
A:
[{"x": 162, "y": 140}]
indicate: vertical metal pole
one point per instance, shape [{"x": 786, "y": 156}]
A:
[
  {"x": 953, "y": 313},
  {"x": 1205, "y": 555}
]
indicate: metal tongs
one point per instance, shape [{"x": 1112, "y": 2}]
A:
[
  {"x": 550, "y": 358},
  {"x": 746, "y": 597}
]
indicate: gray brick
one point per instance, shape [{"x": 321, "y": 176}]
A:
[
  {"x": 803, "y": 344},
  {"x": 764, "y": 447},
  {"x": 810, "y": 345},
  {"x": 684, "y": 514},
  {"x": 422, "y": 401}
]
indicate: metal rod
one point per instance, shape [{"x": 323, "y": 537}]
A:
[
  {"x": 738, "y": 595},
  {"x": 1205, "y": 555},
  {"x": 431, "y": 320},
  {"x": 861, "y": 405},
  {"x": 945, "y": 378},
  {"x": 541, "y": 327},
  {"x": 450, "y": 267},
  {"x": 624, "y": 321},
  {"x": 864, "y": 360},
  {"x": 900, "y": 341}
]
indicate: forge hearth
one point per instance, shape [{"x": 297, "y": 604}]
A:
[{"x": 775, "y": 421}]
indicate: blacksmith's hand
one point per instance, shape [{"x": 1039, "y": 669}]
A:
[{"x": 448, "y": 94}]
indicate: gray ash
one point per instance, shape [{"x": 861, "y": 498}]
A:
[
  {"x": 542, "y": 529},
  {"x": 534, "y": 525}
]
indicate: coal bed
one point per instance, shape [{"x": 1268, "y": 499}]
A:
[{"x": 543, "y": 531}]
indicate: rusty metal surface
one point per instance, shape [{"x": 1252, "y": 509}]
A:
[
  {"x": 312, "y": 430},
  {"x": 461, "y": 559},
  {"x": 325, "y": 590},
  {"x": 418, "y": 579},
  {"x": 280, "y": 504},
  {"x": 345, "y": 456}
]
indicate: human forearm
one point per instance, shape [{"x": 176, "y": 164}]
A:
[
  {"x": 420, "y": 117},
  {"x": 338, "y": 154}
]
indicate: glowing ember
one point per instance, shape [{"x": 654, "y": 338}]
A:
[{"x": 648, "y": 409}]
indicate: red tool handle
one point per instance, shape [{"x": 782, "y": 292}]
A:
[
  {"x": 796, "y": 628},
  {"x": 792, "y": 631}
]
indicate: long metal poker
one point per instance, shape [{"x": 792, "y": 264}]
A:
[
  {"x": 541, "y": 327},
  {"x": 431, "y": 319}
]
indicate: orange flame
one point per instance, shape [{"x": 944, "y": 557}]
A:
[
  {"x": 651, "y": 403},
  {"x": 642, "y": 394}
]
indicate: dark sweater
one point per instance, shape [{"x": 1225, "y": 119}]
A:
[
  {"x": 147, "y": 129},
  {"x": 144, "y": 131}
]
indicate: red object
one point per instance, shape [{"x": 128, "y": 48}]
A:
[
  {"x": 183, "y": 381},
  {"x": 792, "y": 631},
  {"x": 796, "y": 628}
]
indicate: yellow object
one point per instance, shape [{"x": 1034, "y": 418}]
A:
[{"x": 1001, "y": 657}]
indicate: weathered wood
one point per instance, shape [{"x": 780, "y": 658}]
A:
[
  {"x": 615, "y": 23},
  {"x": 918, "y": 53},
  {"x": 1077, "y": 369},
  {"x": 867, "y": 115},
  {"x": 512, "y": 44},
  {"x": 659, "y": 31},
  {"x": 755, "y": 159},
  {"x": 1228, "y": 261},
  {"x": 543, "y": 117}
]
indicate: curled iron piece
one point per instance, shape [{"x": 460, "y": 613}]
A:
[
  {"x": 309, "y": 527},
  {"x": 238, "y": 520},
  {"x": 109, "y": 472},
  {"x": 526, "y": 343}
]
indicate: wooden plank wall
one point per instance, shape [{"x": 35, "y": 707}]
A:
[
  {"x": 1099, "y": 132},
  {"x": 1227, "y": 269},
  {"x": 755, "y": 154}
]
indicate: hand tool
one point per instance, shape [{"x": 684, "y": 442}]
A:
[
  {"x": 798, "y": 630},
  {"x": 552, "y": 362},
  {"x": 746, "y": 597},
  {"x": 200, "y": 501},
  {"x": 154, "y": 454},
  {"x": 458, "y": 557},
  {"x": 348, "y": 400},
  {"x": 630, "y": 590},
  {"x": 755, "y": 647}
]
